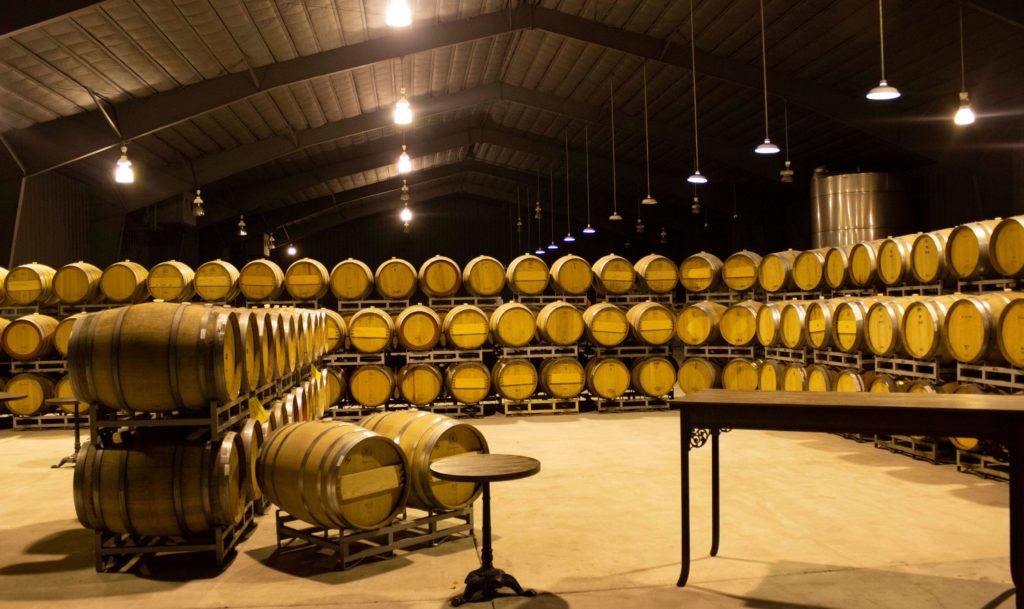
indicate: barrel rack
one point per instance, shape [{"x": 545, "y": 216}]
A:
[
  {"x": 390, "y": 306},
  {"x": 668, "y": 298},
  {"x": 537, "y": 404},
  {"x": 931, "y": 370},
  {"x": 632, "y": 401},
  {"x": 841, "y": 359},
  {"x": 487, "y": 303},
  {"x": 783, "y": 354}
]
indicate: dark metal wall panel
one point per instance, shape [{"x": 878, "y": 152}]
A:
[{"x": 53, "y": 227}]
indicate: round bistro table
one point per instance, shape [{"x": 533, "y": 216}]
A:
[{"x": 483, "y": 584}]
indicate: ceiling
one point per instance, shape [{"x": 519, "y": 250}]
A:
[{"x": 283, "y": 108}]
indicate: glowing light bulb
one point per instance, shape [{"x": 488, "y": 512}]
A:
[
  {"x": 539, "y": 251},
  {"x": 404, "y": 162},
  {"x": 291, "y": 250},
  {"x": 766, "y": 147},
  {"x": 589, "y": 230},
  {"x": 883, "y": 92},
  {"x": 964, "y": 115},
  {"x": 553, "y": 246},
  {"x": 697, "y": 178},
  {"x": 124, "y": 174},
  {"x": 405, "y": 215},
  {"x": 569, "y": 238},
  {"x": 615, "y": 217},
  {"x": 398, "y": 14},
  {"x": 403, "y": 110},
  {"x": 241, "y": 227}
]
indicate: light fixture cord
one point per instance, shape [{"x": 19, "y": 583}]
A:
[
  {"x": 647, "y": 135},
  {"x": 568, "y": 217},
  {"x": 551, "y": 187},
  {"x": 586, "y": 148},
  {"x": 963, "y": 75},
  {"x": 881, "y": 37},
  {"x": 615, "y": 195},
  {"x": 693, "y": 74},
  {"x": 519, "y": 232},
  {"x": 785, "y": 124},
  {"x": 764, "y": 70}
]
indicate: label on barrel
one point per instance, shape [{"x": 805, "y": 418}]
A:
[
  {"x": 846, "y": 327},
  {"x": 697, "y": 273},
  {"x": 22, "y": 285},
  {"x": 169, "y": 282},
  {"x": 207, "y": 281},
  {"x": 660, "y": 275},
  {"x": 296, "y": 279},
  {"x": 467, "y": 329},
  {"x": 262, "y": 280},
  {"x": 816, "y": 325},
  {"x": 369, "y": 332},
  {"x": 532, "y": 276},
  {"x": 617, "y": 276},
  {"x": 257, "y": 411}
]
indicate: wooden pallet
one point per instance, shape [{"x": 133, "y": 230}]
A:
[
  {"x": 931, "y": 289},
  {"x": 992, "y": 376},
  {"x": 719, "y": 352},
  {"x": 780, "y": 296},
  {"x": 841, "y": 359},
  {"x": 986, "y": 285},
  {"x": 632, "y": 403},
  {"x": 632, "y": 299},
  {"x": 931, "y": 370},
  {"x": 932, "y": 450},
  {"x": 980, "y": 464},
  {"x": 783, "y": 354},
  {"x": 541, "y": 406},
  {"x": 53, "y": 420}
]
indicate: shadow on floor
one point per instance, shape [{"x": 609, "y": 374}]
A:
[{"x": 71, "y": 547}]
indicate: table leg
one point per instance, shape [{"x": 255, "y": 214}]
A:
[
  {"x": 715, "y": 512},
  {"x": 1016, "y": 513},
  {"x": 73, "y": 457},
  {"x": 684, "y": 486},
  {"x": 487, "y": 558}
]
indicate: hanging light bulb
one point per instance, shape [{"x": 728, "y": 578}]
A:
[
  {"x": 569, "y": 238},
  {"x": 405, "y": 227},
  {"x": 664, "y": 236},
  {"x": 696, "y": 177},
  {"x": 615, "y": 217},
  {"x": 536, "y": 212},
  {"x": 291, "y": 250},
  {"x": 405, "y": 215},
  {"x": 539, "y": 251},
  {"x": 695, "y": 208},
  {"x": 519, "y": 224},
  {"x": 640, "y": 225},
  {"x": 568, "y": 210},
  {"x": 553, "y": 246},
  {"x": 270, "y": 242},
  {"x": 883, "y": 91},
  {"x": 964, "y": 115},
  {"x": 589, "y": 230},
  {"x": 766, "y": 147},
  {"x": 403, "y": 110},
  {"x": 124, "y": 174},
  {"x": 786, "y": 175},
  {"x": 648, "y": 200},
  {"x": 398, "y": 14},
  {"x": 404, "y": 162},
  {"x": 197, "y": 205},
  {"x": 241, "y": 226}
]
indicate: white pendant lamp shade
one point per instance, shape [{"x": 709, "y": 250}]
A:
[
  {"x": 403, "y": 110},
  {"x": 399, "y": 14},
  {"x": 539, "y": 251},
  {"x": 883, "y": 92},
  {"x": 553, "y": 246},
  {"x": 404, "y": 162},
  {"x": 124, "y": 174},
  {"x": 648, "y": 200},
  {"x": 569, "y": 238},
  {"x": 766, "y": 147},
  {"x": 615, "y": 217},
  {"x": 964, "y": 115},
  {"x": 697, "y": 178},
  {"x": 589, "y": 230}
]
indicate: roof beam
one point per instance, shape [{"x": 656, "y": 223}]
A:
[{"x": 1009, "y": 11}]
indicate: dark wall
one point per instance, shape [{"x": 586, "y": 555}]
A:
[{"x": 52, "y": 225}]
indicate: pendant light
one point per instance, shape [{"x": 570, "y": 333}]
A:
[
  {"x": 965, "y": 114},
  {"x": 538, "y": 215},
  {"x": 696, "y": 177},
  {"x": 270, "y": 241},
  {"x": 403, "y": 110},
  {"x": 398, "y": 14},
  {"x": 640, "y": 225},
  {"x": 404, "y": 162},
  {"x": 786, "y": 175},
  {"x": 551, "y": 185},
  {"x": 735, "y": 203},
  {"x": 589, "y": 230},
  {"x": 291, "y": 250},
  {"x": 197, "y": 205},
  {"x": 648, "y": 200},
  {"x": 695, "y": 207},
  {"x": 568, "y": 211},
  {"x": 664, "y": 236},
  {"x": 765, "y": 147},
  {"x": 406, "y": 214},
  {"x": 241, "y": 226},
  {"x": 123, "y": 173},
  {"x": 615, "y": 217},
  {"x": 883, "y": 92}
]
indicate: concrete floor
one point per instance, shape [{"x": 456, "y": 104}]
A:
[{"x": 809, "y": 521}]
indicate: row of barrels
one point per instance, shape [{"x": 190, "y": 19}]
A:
[
  {"x": 971, "y": 251},
  {"x": 970, "y": 328},
  {"x": 513, "y": 379},
  {"x": 309, "y": 280},
  {"x": 164, "y": 357},
  {"x": 38, "y": 388},
  {"x": 161, "y": 482}
]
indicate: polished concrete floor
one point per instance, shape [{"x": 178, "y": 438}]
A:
[{"x": 809, "y": 521}]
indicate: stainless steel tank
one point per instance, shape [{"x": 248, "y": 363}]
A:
[{"x": 852, "y": 207}]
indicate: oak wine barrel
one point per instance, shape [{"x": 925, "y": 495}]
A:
[
  {"x": 62, "y": 389},
  {"x": 809, "y": 270},
  {"x": 819, "y": 322},
  {"x": 837, "y": 265},
  {"x": 1006, "y": 247},
  {"x": 607, "y": 378},
  {"x": 351, "y": 279},
  {"x": 605, "y": 324},
  {"x": 894, "y": 259},
  {"x": 307, "y": 279},
  {"x": 883, "y": 383},
  {"x": 769, "y": 318},
  {"x": 656, "y": 274},
  {"x": 571, "y": 275},
  {"x": 171, "y": 281},
  {"x": 562, "y": 377},
  {"x": 863, "y": 263},
  {"x": 261, "y": 280},
  {"x": 371, "y": 385},
  {"x": 335, "y": 331},
  {"x": 1010, "y": 335},
  {"x": 30, "y": 284},
  {"x": 849, "y": 322},
  {"x": 467, "y": 382},
  {"x": 252, "y": 438},
  {"x": 701, "y": 272},
  {"x": 696, "y": 373},
  {"x": 440, "y": 277},
  {"x": 738, "y": 325},
  {"x": 484, "y": 276},
  {"x": 29, "y": 337},
  {"x": 653, "y": 376},
  {"x": 395, "y": 279},
  {"x": 419, "y": 384},
  {"x": 923, "y": 327},
  {"x": 741, "y": 374},
  {"x": 269, "y": 326},
  {"x": 769, "y": 377},
  {"x": 336, "y": 386},
  {"x": 739, "y": 271},
  {"x": 613, "y": 274},
  {"x": 514, "y": 378},
  {"x": 253, "y": 350},
  {"x": 967, "y": 252},
  {"x": 882, "y": 326},
  {"x": 418, "y": 328},
  {"x": 651, "y": 323},
  {"x": 217, "y": 281},
  {"x": 698, "y": 323},
  {"x": 370, "y": 330},
  {"x": 854, "y": 381},
  {"x": 125, "y": 282},
  {"x": 794, "y": 377},
  {"x": 36, "y": 389},
  {"x": 821, "y": 378},
  {"x": 792, "y": 322},
  {"x": 560, "y": 323},
  {"x": 972, "y": 324},
  {"x": 513, "y": 325},
  {"x": 78, "y": 283},
  {"x": 465, "y": 327},
  {"x": 527, "y": 275},
  {"x": 928, "y": 256},
  {"x": 775, "y": 273}
]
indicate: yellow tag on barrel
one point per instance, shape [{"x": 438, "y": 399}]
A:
[{"x": 257, "y": 411}]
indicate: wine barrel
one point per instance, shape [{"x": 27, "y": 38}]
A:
[
  {"x": 160, "y": 485},
  {"x": 791, "y": 324},
  {"x": 395, "y": 279},
  {"x": 29, "y": 337},
  {"x": 562, "y": 377},
  {"x": 819, "y": 322},
  {"x": 252, "y": 438},
  {"x": 613, "y": 274},
  {"x": 605, "y": 324},
  {"x": 513, "y": 325},
  {"x": 269, "y": 325},
  {"x": 334, "y": 475},
  {"x": 423, "y": 438},
  {"x": 157, "y": 357},
  {"x": 701, "y": 272},
  {"x": 337, "y": 386},
  {"x": 961, "y": 442},
  {"x": 849, "y": 323},
  {"x": 924, "y": 386},
  {"x": 967, "y": 250},
  {"x": 741, "y": 374},
  {"x": 418, "y": 328},
  {"x": 928, "y": 256},
  {"x": 698, "y": 323},
  {"x": 863, "y": 263},
  {"x": 882, "y": 326},
  {"x": 419, "y": 384},
  {"x": 261, "y": 280},
  {"x": 809, "y": 270},
  {"x": 769, "y": 377},
  {"x": 78, "y": 283},
  {"x": 1010, "y": 335},
  {"x": 794, "y": 377},
  {"x": 571, "y": 275},
  {"x": 465, "y": 327},
  {"x": 769, "y": 318},
  {"x": 775, "y": 273},
  {"x": 894, "y": 259},
  {"x": 296, "y": 333},
  {"x": 3, "y": 280},
  {"x": 171, "y": 281},
  {"x": 821, "y": 378},
  {"x": 883, "y": 383},
  {"x": 467, "y": 382},
  {"x": 923, "y": 328},
  {"x": 560, "y": 323},
  {"x": 656, "y": 274},
  {"x": 62, "y": 334},
  {"x": 651, "y": 323},
  {"x": 125, "y": 282},
  {"x": 30, "y": 284},
  {"x": 1006, "y": 247},
  {"x": 738, "y": 325},
  {"x": 370, "y": 330},
  {"x": 837, "y": 265},
  {"x": 36, "y": 389},
  {"x": 606, "y": 377},
  {"x": 371, "y": 385},
  {"x": 217, "y": 281},
  {"x": 739, "y": 271},
  {"x": 696, "y": 373},
  {"x": 484, "y": 276},
  {"x": 440, "y": 277},
  {"x": 62, "y": 389},
  {"x": 972, "y": 324},
  {"x": 253, "y": 351},
  {"x": 307, "y": 279},
  {"x": 351, "y": 279},
  {"x": 527, "y": 275},
  {"x": 514, "y": 378},
  {"x": 335, "y": 331},
  {"x": 854, "y": 381},
  {"x": 276, "y": 418},
  {"x": 653, "y": 376}
]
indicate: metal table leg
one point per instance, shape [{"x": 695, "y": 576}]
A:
[
  {"x": 1016, "y": 513},
  {"x": 73, "y": 457},
  {"x": 684, "y": 479},
  {"x": 715, "y": 513}
]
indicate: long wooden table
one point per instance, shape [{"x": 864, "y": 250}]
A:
[{"x": 996, "y": 417}]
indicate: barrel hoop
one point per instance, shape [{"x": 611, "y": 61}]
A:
[
  {"x": 329, "y": 477},
  {"x": 424, "y": 445},
  {"x": 220, "y": 336},
  {"x": 412, "y": 419},
  {"x": 97, "y": 478},
  {"x": 204, "y": 353},
  {"x": 173, "y": 355},
  {"x": 86, "y": 349},
  {"x": 177, "y": 479},
  {"x": 79, "y": 482},
  {"x": 122, "y": 491},
  {"x": 115, "y": 358},
  {"x": 220, "y": 466}
]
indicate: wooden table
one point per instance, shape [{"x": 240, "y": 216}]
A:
[
  {"x": 996, "y": 417},
  {"x": 482, "y": 584}
]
